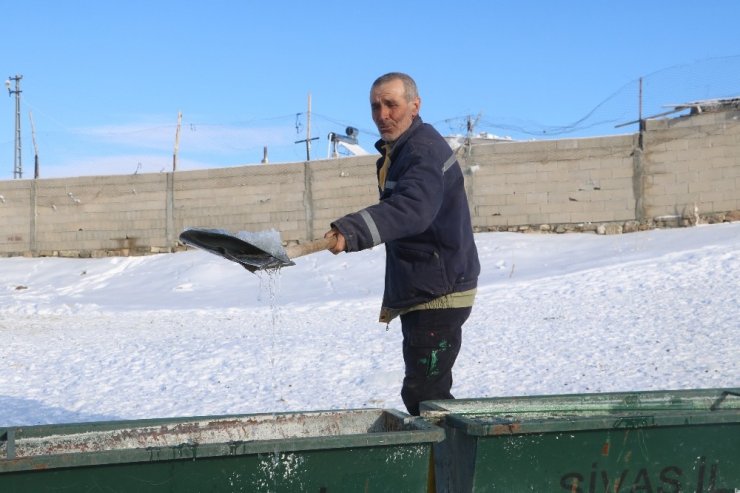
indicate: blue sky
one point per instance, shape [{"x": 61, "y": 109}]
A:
[{"x": 104, "y": 81}]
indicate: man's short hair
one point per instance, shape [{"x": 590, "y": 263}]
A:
[{"x": 409, "y": 85}]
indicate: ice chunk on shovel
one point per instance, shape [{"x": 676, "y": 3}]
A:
[{"x": 253, "y": 250}]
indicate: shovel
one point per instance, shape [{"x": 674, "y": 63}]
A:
[{"x": 253, "y": 251}]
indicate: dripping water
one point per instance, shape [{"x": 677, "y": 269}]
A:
[{"x": 269, "y": 293}]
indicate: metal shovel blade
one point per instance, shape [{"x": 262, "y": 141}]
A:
[{"x": 253, "y": 251}]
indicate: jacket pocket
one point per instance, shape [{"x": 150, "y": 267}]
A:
[{"x": 414, "y": 275}]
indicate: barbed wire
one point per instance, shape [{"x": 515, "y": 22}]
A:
[{"x": 710, "y": 78}]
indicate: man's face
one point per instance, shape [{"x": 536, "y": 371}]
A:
[{"x": 392, "y": 113}]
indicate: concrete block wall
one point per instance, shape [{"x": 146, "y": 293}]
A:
[
  {"x": 112, "y": 213},
  {"x": 692, "y": 165},
  {"x": 253, "y": 198},
  {"x": 551, "y": 182},
  {"x": 299, "y": 200},
  {"x": 677, "y": 167},
  {"x": 15, "y": 216},
  {"x": 338, "y": 187}
]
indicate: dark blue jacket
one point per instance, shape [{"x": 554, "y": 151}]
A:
[{"x": 423, "y": 219}]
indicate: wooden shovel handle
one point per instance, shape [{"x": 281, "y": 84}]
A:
[{"x": 302, "y": 249}]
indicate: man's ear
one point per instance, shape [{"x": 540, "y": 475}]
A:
[{"x": 416, "y": 103}]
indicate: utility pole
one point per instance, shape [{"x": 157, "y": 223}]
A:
[
  {"x": 470, "y": 127},
  {"x": 177, "y": 141},
  {"x": 639, "y": 115},
  {"x": 35, "y": 147},
  {"x": 308, "y": 138},
  {"x": 17, "y": 163},
  {"x": 308, "y": 129}
]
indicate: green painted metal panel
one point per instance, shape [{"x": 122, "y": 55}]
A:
[
  {"x": 353, "y": 450},
  {"x": 659, "y": 442}
]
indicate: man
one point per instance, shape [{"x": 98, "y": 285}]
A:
[{"x": 423, "y": 218}]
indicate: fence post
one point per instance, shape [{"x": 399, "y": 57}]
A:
[
  {"x": 308, "y": 199},
  {"x": 33, "y": 212},
  {"x": 170, "y": 212},
  {"x": 638, "y": 174}
]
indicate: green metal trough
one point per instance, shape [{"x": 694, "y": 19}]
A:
[
  {"x": 331, "y": 451},
  {"x": 651, "y": 442}
]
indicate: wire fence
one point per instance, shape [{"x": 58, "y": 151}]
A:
[
  {"x": 146, "y": 148},
  {"x": 711, "y": 78}
]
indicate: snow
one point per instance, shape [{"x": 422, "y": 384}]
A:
[{"x": 192, "y": 334}]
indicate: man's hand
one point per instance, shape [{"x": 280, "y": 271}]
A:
[{"x": 340, "y": 245}]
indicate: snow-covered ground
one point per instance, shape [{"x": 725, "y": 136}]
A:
[{"x": 193, "y": 334}]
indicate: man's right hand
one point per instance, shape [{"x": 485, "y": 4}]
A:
[{"x": 341, "y": 243}]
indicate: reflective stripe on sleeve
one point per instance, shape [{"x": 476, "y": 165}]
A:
[
  {"x": 450, "y": 161},
  {"x": 374, "y": 233}
]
